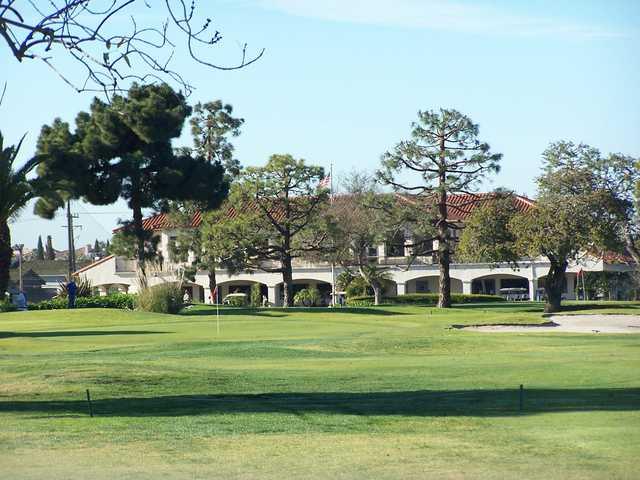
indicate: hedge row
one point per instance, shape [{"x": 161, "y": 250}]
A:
[
  {"x": 422, "y": 299},
  {"x": 121, "y": 301}
]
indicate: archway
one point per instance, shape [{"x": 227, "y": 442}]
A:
[
  {"x": 301, "y": 283},
  {"x": 430, "y": 284},
  {"x": 239, "y": 286},
  {"x": 493, "y": 284}
]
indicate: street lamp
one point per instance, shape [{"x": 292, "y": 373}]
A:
[{"x": 19, "y": 247}]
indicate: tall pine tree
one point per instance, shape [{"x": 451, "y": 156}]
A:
[
  {"x": 123, "y": 150},
  {"x": 446, "y": 156},
  {"x": 40, "y": 249}
]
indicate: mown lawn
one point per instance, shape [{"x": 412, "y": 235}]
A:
[{"x": 386, "y": 392}]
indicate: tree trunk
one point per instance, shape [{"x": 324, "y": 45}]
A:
[
  {"x": 287, "y": 281},
  {"x": 5, "y": 256},
  {"x": 138, "y": 230},
  {"x": 377, "y": 294},
  {"x": 553, "y": 286},
  {"x": 213, "y": 284},
  {"x": 444, "y": 251}
]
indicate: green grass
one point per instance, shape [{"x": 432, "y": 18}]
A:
[{"x": 388, "y": 392}]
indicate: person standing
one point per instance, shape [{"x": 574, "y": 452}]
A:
[{"x": 72, "y": 290}]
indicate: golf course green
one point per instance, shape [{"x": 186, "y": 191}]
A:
[{"x": 365, "y": 393}]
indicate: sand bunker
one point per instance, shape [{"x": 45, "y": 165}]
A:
[{"x": 573, "y": 324}]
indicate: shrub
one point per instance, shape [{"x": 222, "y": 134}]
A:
[
  {"x": 236, "y": 301},
  {"x": 307, "y": 297},
  {"x": 422, "y": 299},
  {"x": 122, "y": 301},
  {"x": 256, "y": 295},
  {"x": 163, "y": 298},
  {"x": 7, "y": 306},
  {"x": 357, "y": 287}
]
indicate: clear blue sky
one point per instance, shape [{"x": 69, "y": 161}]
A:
[{"x": 341, "y": 81}]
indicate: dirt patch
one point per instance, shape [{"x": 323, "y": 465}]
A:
[{"x": 569, "y": 323}]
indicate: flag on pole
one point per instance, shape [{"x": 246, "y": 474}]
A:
[
  {"x": 214, "y": 295},
  {"x": 325, "y": 182}
]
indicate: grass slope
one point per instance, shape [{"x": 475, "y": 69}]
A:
[{"x": 385, "y": 392}]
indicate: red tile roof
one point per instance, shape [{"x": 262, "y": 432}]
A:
[{"x": 461, "y": 207}]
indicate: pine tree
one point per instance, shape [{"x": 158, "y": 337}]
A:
[
  {"x": 40, "y": 249},
  {"x": 50, "y": 252},
  {"x": 122, "y": 149}
]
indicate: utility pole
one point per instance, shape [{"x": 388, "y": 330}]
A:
[{"x": 70, "y": 239}]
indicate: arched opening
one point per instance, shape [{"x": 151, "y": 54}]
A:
[
  {"x": 299, "y": 284},
  {"x": 512, "y": 287},
  {"x": 568, "y": 287},
  {"x": 431, "y": 284},
  {"x": 238, "y": 286}
]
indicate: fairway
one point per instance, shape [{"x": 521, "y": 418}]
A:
[{"x": 380, "y": 392}]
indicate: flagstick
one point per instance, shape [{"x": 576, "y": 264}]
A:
[
  {"x": 333, "y": 273},
  {"x": 217, "y": 317}
]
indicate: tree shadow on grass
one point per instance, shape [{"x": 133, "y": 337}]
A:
[
  {"x": 286, "y": 312},
  {"x": 76, "y": 333},
  {"x": 421, "y": 403}
]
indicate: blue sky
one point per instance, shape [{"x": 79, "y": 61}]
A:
[{"x": 341, "y": 81}]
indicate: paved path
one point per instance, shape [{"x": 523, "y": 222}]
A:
[{"x": 575, "y": 324}]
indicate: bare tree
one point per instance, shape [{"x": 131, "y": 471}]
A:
[{"x": 94, "y": 34}]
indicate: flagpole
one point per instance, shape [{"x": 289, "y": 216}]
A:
[
  {"x": 215, "y": 295},
  {"x": 333, "y": 272}
]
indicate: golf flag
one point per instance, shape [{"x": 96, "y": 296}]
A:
[{"x": 214, "y": 295}]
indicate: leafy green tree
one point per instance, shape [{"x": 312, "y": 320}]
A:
[
  {"x": 487, "y": 236},
  {"x": 619, "y": 175},
  {"x": 40, "y": 249},
  {"x": 125, "y": 244},
  {"x": 573, "y": 218},
  {"x": 272, "y": 217},
  {"x": 443, "y": 157},
  {"x": 16, "y": 190},
  {"x": 362, "y": 218},
  {"x": 123, "y": 150},
  {"x": 212, "y": 125}
]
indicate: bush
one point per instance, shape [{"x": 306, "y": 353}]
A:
[
  {"x": 256, "y": 295},
  {"x": 122, "y": 301},
  {"x": 357, "y": 287},
  {"x": 163, "y": 298},
  {"x": 422, "y": 299},
  {"x": 307, "y": 297},
  {"x": 7, "y": 306},
  {"x": 236, "y": 301}
]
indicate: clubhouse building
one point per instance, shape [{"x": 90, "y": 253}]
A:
[{"x": 116, "y": 274}]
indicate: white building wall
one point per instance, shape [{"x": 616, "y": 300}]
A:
[{"x": 108, "y": 275}]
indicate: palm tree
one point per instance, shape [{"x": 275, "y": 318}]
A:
[{"x": 15, "y": 192}]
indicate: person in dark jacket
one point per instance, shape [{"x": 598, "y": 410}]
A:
[{"x": 72, "y": 289}]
